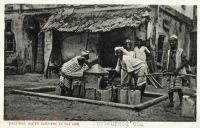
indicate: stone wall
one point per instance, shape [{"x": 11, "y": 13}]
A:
[
  {"x": 157, "y": 28},
  {"x": 16, "y": 28}
]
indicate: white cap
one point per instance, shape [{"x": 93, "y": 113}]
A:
[
  {"x": 127, "y": 40},
  {"x": 174, "y": 36},
  {"x": 119, "y": 48}
]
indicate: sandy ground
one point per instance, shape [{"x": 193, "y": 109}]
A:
[{"x": 22, "y": 107}]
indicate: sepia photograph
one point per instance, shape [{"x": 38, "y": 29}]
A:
[{"x": 120, "y": 63}]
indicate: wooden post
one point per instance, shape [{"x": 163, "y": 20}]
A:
[{"x": 87, "y": 40}]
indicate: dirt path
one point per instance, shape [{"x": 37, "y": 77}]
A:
[{"x": 21, "y": 107}]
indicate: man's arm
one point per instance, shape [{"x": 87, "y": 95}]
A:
[
  {"x": 184, "y": 62},
  {"x": 112, "y": 78},
  {"x": 147, "y": 50},
  {"x": 82, "y": 60},
  {"x": 117, "y": 69},
  {"x": 88, "y": 64}
]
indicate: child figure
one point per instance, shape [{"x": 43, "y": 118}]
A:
[{"x": 140, "y": 51}]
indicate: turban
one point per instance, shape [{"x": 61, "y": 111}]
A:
[
  {"x": 173, "y": 37},
  {"x": 128, "y": 41},
  {"x": 119, "y": 48},
  {"x": 85, "y": 52}
]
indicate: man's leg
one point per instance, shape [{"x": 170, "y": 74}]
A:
[
  {"x": 69, "y": 87},
  {"x": 180, "y": 94},
  {"x": 66, "y": 88},
  {"x": 142, "y": 91},
  {"x": 62, "y": 87},
  {"x": 171, "y": 98},
  {"x": 62, "y": 93}
]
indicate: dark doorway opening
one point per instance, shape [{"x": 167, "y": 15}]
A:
[
  {"x": 37, "y": 64},
  {"x": 160, "y": 50}
]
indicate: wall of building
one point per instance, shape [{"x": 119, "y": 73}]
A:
[
  {"x": 21, "y": 22},
  {"x": 21, "y": 44},
  {"x": 100, "y": 45},
  {"x": 176, "y": 27},
  {"x": 156, "y": 28}
]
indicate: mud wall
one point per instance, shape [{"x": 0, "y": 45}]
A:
[
  {"x": 77, "y": 42},
  {"x": 100, "y": 45}
]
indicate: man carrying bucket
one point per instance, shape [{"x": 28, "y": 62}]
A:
[{"x": 130, "y": 69}]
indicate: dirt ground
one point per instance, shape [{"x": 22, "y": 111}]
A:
[{"x": 23, "y": 107}]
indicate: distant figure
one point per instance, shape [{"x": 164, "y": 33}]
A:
[
  {"x": 176, "y": 61},
  {"x": 128, "y": 46},
  {"x": 140, "y": 51},
  {"x": 69, "y": 68}
]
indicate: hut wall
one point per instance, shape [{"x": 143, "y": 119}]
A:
[{"x": 77, "y": 42}]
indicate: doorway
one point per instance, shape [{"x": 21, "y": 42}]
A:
[{"x": 37, "y": 64}]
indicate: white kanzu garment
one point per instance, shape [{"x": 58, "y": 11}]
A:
[
  {"x": 129, "y": 64},
  {"x": 140, "y": 53}
]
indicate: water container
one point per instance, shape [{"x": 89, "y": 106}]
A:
[
  {"x": 76, "y": 88},
  {"x": 123, "y": 96},
  {"x": 90, "y": 93},
  {"x": 104, "y": 95},
  {"x": 188, "y": 107},
  {"x": 134, "y": 97}
]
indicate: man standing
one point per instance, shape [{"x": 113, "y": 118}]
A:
[
  {"x": 69, "y": 69},
  {"x": 130, "y": 69},
  {"x": 140, "y": 51},
  {"x": 176, "y": 61}
]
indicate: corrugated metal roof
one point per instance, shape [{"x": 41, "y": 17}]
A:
[{"x": 95, "y": 21}]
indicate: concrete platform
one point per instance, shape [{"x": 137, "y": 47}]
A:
[{"x": 158, "y": 97}]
